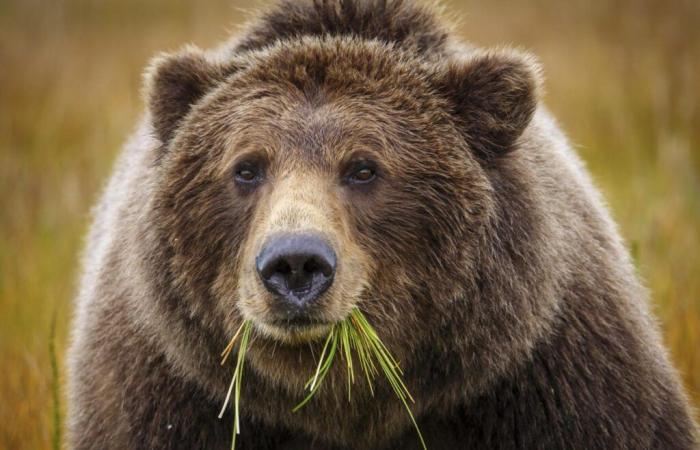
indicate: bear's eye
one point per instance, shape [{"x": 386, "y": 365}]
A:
[
  {"x": 248, "y": 174},
  {"x": 362, "y": 174}
]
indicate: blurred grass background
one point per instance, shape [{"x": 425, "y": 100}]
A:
[{"x": 623, "y": 77}]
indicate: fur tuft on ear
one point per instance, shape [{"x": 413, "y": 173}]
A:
[
  {"x": 494, "y": 96},
  {"x": 175, "y": 82}
]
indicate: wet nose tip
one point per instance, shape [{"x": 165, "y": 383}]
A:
[{"x": 298, "y": 268}]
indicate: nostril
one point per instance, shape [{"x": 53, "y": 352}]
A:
[
  {"x": 282, "y": 267},
  {"x": 311, "y": 266},
  {"x": 270, "y": 267},
  {"x": 320, "y": 265}
]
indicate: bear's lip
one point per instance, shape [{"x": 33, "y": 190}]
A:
[
  {"x": 298, "y": 322},
  {"x": 295, "y": 331}
]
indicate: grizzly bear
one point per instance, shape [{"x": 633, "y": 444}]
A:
[{"x": 346, "y": 154}]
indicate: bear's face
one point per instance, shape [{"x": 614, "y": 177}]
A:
[{"x": 313, "y": 177}]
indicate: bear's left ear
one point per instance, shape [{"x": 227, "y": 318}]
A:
[
  {"x": 175, "y": 82},
  {"x": 494, "y": 96}
]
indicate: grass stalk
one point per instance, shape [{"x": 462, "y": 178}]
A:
[
  {"x": 243, "y": 332},
  {"x": 353, "y": 335},
  {"x": 356, "y": 334},
  {"x": 55, "y": 390}
]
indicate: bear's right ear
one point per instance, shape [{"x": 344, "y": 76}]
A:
[
  {"x": 174, "y": 83},
  {"x": 494, "y": 95}
]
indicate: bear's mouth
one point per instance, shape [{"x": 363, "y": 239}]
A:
[
  {"x": 298, "y": 322},
  {"x": 296, "y": 330}
]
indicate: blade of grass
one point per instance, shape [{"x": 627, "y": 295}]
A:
[
  {"x": 347, "y": 352},
  {"x": 366, "y": 362},
  {"x": 229, "y": 347},
  {"x": 239, "y": 367},
  {"x": 228, "y": 393},
  {"x": 325, "y": 366},
  {"x": 388, "y": 364},
  {"x": 356, "y": 333},
  {"x": 56, "y": 397},
  {"x": 364, "y": 326},
  {"x": 320, "y": 361},
  {"x": 234, "y": 389}
]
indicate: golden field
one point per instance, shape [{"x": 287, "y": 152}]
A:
[{"x": 623, "y": 77}]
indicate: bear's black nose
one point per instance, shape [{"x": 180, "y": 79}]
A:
[{"x": 298, "y": 268}]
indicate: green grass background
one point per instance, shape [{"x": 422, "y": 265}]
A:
[{"x": 623, "y": 77}]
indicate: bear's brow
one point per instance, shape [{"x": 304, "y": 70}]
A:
[{"x": 324, "y": 132}]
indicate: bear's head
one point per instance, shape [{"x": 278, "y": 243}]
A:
[{"x": 301, "y": 180}]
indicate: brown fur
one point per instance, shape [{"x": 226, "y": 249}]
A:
[{"x": 481, "y": 253}]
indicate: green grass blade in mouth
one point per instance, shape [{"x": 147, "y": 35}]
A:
[
  {"x": 321, "y": 362},
  {"x": 347, "y": 353},
  {"x": 388, "y": 364},
  {"x": 227, "y": 351},
  {"x": 356, "y": 333},
  {"x": 324, "y": 365},
  {"x": 237, "y": 379},
  {"x": 366, "y": 362},
  {"x": 55, "y": 394}
]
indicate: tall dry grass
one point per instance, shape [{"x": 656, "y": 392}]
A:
[{"x": 622, "y": 76}]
